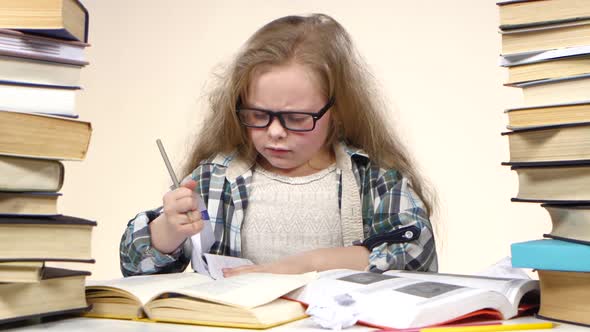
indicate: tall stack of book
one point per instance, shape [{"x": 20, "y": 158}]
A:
[
  {"x": 546, "y": 48},
  {"x": 41, "y": 55}
]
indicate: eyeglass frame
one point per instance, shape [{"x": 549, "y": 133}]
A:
[{"x": 272, "y": 114}]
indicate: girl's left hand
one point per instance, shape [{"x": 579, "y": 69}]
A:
[{"x": 280, "y": 266}]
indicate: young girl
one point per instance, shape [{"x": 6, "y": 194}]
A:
[{"x": 296, "y": 165}]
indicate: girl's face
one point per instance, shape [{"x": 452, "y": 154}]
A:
[{"x": 290, "y": 87}]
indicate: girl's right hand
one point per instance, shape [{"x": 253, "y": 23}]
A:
[{"x": 180, "y": 218}]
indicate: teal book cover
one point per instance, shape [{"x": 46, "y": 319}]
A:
[{"x": 551, "y": 255}]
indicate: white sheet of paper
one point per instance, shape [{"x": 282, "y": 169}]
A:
[
  {"x": 216, "y": 263},
  {"x": 202, "y": 242}
]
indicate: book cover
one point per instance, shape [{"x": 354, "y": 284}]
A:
[{"x": 549, "y": 254}]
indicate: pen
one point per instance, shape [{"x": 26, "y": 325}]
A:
[
  {"x": 486, "y": 328},
  {"x": 168, "y": 165},
  {"x": 204, "y": 214}
]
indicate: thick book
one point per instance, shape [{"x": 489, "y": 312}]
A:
[
  {"x": 549, "y": 254},
  {"x": 23, "y": 70},
  {"x": 566, "y": 296},
  {"x": 549, "y": 69},
  {"x": 569, "y": 223},
  {"x": 54, "y": 238},
  {"x": 63, "y": 19},
  {"x": 566, "y": 90},
  {"x": 550, "y": 143},
  {"x": 403, "y": 299},
  {"x": 30, "y": 174},
  {"x": 21, "y": 272},
  {"x": 544, "y": 115},
  {"x": 38, "y": 98},
  {"x": 59, "y": 291},
  {"x": 546, "y": 37},
  {"x": 527, "y": 13},
  {"x": 557, "y": 183},
  {"x": 29, "y": 203},
  {"x": 17, "y": 44},
  {"x": 43, "y": 136},
  {"x": 249, "y": 300}
]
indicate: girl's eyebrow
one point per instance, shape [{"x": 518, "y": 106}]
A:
[{"x": 301, "y": 109}]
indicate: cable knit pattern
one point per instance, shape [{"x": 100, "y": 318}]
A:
[{"x": 290, "y": 215}]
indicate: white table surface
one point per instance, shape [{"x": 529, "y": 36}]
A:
[{"x": 113, "y": 325}]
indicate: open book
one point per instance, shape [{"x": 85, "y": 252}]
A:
[
  {"x": 248, "y": 300},
  {"x": 403, "y": 299}
]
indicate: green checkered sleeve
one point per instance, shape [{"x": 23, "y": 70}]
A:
[
  {"x": 390, "y": 204},
  {"x": 137, "y": 254}
]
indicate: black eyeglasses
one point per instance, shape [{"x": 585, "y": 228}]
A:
[{"x": 295, "y": 121}]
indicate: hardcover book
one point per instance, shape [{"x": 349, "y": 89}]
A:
[
  {"x": 59, "y": 291},
  {"x": 63, "y": 19},
  {"x": 28, "y": 203},
  {"x": 565, "y": 296},
  {"x": 555, "y": 143},
  {"x": 570, "y": 222},
  {"x": 549, "y": 254},
  {"x": 55, "y": 238},
  {"x": 248, "y": 300},
  {"x": 29, "y": 174},
  {"x": 405, "y": 299},
  {"x": 549, "y": 115},
  {"x": 43, "y": 136},
  {"x": 565, "y": 183}
]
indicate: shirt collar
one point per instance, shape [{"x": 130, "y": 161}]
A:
[{"x": 238, "y": 166}]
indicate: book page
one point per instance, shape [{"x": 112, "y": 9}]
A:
[
  {"x": 247, "y": 290},
  {"x": 215, "y": 263},
  {"x": 147, "y": 286},
  {"x": 372, "y": 297},
  {"x": 512, "y": 289}
]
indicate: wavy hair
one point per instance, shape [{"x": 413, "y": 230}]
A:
[{"x": 320, "y": 43}]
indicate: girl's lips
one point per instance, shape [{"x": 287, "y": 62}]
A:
[{"x": 277, "y": 150}]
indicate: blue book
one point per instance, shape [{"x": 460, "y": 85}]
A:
[{"x": 551, "y": 255}]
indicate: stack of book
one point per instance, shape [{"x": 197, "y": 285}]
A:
[
  {"x": 41, "y": 55},
  {"x": 546, "y": 48}
]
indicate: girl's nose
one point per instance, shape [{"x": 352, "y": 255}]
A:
[{"x": 275, "y": 130}]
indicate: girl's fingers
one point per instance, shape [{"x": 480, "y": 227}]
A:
[
  {"x": 192, "y": 228},
  {"x": 185, "y": 204},
  {"x": 190, "y": 184},
  {"x": 230, "y": 272}
]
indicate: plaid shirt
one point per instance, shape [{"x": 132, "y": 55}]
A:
[{"x": 387, "y": 200}]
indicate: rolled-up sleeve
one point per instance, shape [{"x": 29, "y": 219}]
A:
[{"x": 396, "y": 205}]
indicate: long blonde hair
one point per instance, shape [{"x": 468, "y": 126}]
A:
[{"x": 323, "y": 45}]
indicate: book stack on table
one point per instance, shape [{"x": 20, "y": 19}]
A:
[
  {"x": 546, "y": 49},
  {"x": 41, "y": 55}
]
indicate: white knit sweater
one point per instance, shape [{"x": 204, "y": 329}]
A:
[{"x": 289, "y": 215}]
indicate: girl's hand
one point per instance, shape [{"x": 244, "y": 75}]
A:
[
  {"x": 180, "y": 218},
  {"x": 352, "y": 257},
  {"x": 282, "y": 266}
]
